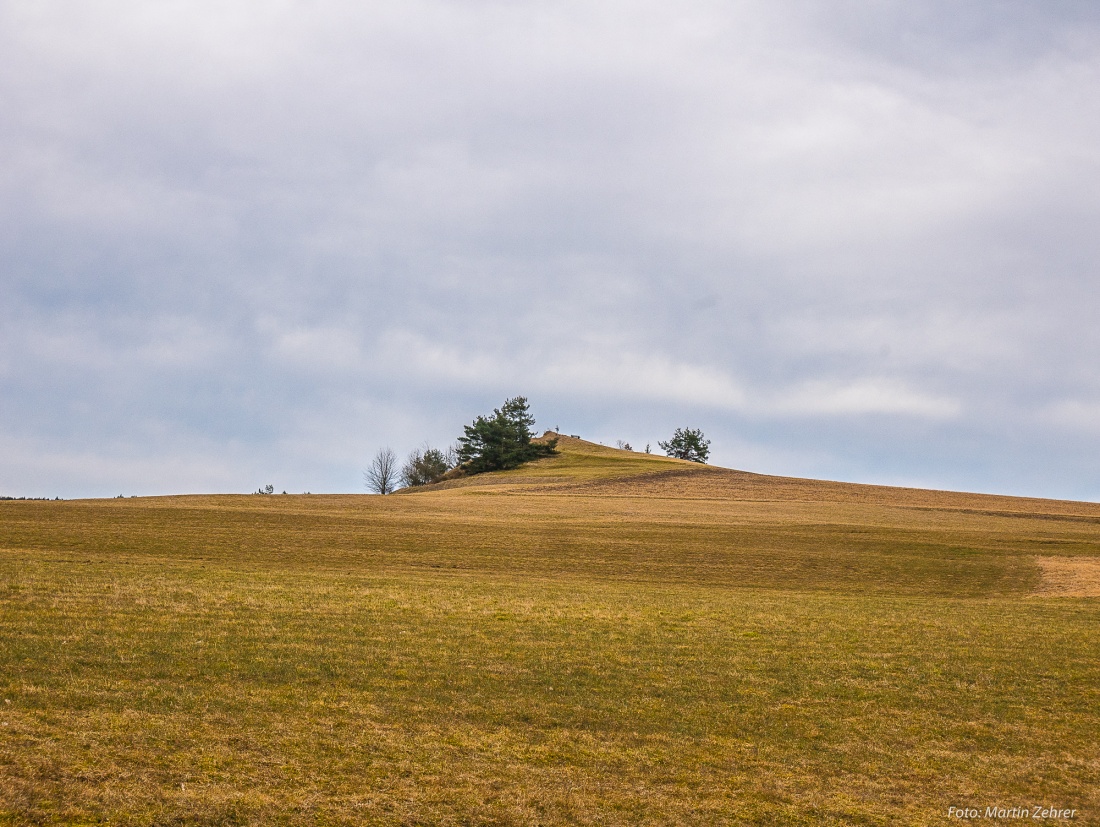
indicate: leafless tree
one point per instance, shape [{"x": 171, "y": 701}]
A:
[{"x": 381, "y": 475}]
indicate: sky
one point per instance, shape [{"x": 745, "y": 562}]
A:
[{"x": 247, "y": 243}]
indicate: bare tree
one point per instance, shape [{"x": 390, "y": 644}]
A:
[{"x": 381, "y": 475}]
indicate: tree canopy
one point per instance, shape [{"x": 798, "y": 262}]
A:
[
  {"x": 687, "y": 443},
  {"x": 425, "y": 465},
  {"x": 501, "y": 441}
]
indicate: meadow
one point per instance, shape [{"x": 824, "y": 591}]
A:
[{"x": 601, "y": 637}]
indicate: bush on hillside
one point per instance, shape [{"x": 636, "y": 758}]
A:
[
  {"x": 687, "y": 443},
  {"x": 502, "y": 441},
  {"x": 425, "y": 466}
]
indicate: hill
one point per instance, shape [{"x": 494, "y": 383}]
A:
[
  {"x": 583, "y": 466},
  {"x": 601, "y": 637}
]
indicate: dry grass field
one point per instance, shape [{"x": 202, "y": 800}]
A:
[{"x": 599, "y": 638}]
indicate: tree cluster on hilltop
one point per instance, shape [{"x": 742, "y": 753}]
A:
[
  {"x": 427, "y": 465},
  {"x": 498, "y": 442},
  {"x": 502, "y": 441}
]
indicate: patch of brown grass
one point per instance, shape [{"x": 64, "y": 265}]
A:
[{"x": 1069, "y": 576}]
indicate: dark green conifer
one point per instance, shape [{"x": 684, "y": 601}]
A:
[{"x": 501, "y": 441}]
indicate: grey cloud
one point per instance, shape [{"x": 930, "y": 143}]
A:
[{"x": 857, "y": 241}]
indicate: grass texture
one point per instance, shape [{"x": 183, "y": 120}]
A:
[{"x": 602, "y": 638}]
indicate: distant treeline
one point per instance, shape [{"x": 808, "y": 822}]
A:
[{"x": 30, "y": 498}]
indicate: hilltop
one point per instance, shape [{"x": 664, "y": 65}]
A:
[{"x": 588, "y": 468}]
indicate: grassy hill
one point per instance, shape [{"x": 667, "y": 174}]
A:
[{"x": 601, "y": 637}]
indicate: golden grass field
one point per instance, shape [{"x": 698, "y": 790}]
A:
[{"x": 599, "y": 638}]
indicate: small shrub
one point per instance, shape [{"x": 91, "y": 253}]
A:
[{"x": 425, "y": 466}]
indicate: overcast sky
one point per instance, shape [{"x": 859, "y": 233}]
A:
[{"x": 252, "y": 242}]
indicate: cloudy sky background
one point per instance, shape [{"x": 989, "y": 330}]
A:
[{"x": 252, "y": 242}]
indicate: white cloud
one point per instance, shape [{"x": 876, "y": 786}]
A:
[
  {"x": 611, "y": 371},
  {"x": 868, "y": 396},
  {"x": 626, "y": 376},
  {"x": 409, "y": 354},
  {"x": 37, "y": 468},
  {"x": 1074, "y": 414},
  {"x": 327, "y": 349}
]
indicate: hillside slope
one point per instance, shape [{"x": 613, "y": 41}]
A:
[
  {"x": 598, "y": 638},
  {"x": 577, "y": 461}
]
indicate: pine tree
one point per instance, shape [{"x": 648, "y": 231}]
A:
[
  {"x": 501, "y": 441},
  {"x": 688, "y": 444}
]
